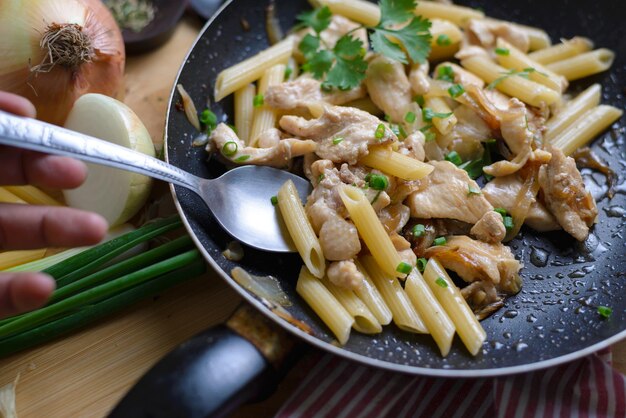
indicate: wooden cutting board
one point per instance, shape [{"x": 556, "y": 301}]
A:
[{"x": 86, "y": 373}]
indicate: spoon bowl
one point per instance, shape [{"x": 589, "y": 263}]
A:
[{"x": 240, "y": 199}]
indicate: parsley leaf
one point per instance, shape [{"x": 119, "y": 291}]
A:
[
  {"x": 415, "y": 36},
  {"x": 316, "y": 19}
]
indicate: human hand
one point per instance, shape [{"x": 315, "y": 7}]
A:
[{"x": 27, "y": 227}]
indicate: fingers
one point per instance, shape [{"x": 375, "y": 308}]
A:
[
  {"x": 28, "y": 167},
  {"x": 18, "y": 105},
  {"x": 25, "y": 227},
  {"x": 21, "y": 292}
]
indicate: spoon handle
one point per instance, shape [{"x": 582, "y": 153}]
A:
[{"x": 35, "y": 135}]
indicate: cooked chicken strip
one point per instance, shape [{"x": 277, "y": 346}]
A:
[
  {"x": 501, "y": 192},
  {"x": 345, "y": 274},
  {"x": 475, "y": 260},
  {"x": 339, "y": 239},
  {"x": 484, "y": 33},
  {"x": 419, "y": 79},
  {"x": 413, "y": 145},
  {"x": 490, "y": 228},
  {"x": 445, "y": 194},
  {"x": 356, "y": 129},
  {"x": 279, "y": 155},
  {"x": 389, "y": 87},
  {"x": 304, "y": 92},
  {"x": 565, "y": 195}
]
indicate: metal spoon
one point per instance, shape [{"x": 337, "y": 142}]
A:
[{"x": 240, "y": 199}]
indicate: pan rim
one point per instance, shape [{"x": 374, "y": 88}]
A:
[{"x": 326, "y": 346}]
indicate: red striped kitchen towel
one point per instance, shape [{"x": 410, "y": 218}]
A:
[{"x": 337, "y": 388}]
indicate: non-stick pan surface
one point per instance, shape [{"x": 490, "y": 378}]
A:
[{"x": 552, "y": 320}]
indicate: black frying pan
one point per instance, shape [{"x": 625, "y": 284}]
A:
[{"x": 551, "y": 321}]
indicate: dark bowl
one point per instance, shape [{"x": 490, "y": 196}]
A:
[{"x": 168, "y": 13}]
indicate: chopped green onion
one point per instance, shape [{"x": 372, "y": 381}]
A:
[
  {"x": 441, "y": 282},
  {"x": 605, "y": 311},
  {"x": 320, "y": 177},
  {"x": 274, "y": 200},
  {"x": 208, "y": 118},
  {"x": 445, "y": 73},
  {"x": 440, "y": 241},
  {"x": 418, "y": 230},
  {"x": 380, "y": 131},
  {"x": 472, "y": 190},
  {"x": 242, "y": 158},
  {"x": 421, "y": 264},
  {"x": 288, "y": 72},
  {"x": 409, "y": 117},
  {"x": 508, "y": 222},
  {"x": 233, "y": 127},
  {"x": 502, "y": 51},
  {"x": 377, "y": 181},
  {"x": 337, "y": 141},
  {"x": 430, "y": 136},
  {"x": 444, "y": 40},
  {"x": 454, "y": 158},
  {"x": 258, "y": 100},
  {"x": 456, "y": 90},
  {"x": 387, "y": 118},
  {"x": 428, "y": 114},
  {"x": 404, "y": 268},
  {"x": 501, "y": 211},
  {"x": 419, "y": 100},
  {"x": 229, "y": 149}
]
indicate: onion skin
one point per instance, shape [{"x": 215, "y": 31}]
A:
[{"x": 53, "y": 92}]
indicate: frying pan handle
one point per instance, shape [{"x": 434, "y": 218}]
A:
[{"x": 209, "y": 375}]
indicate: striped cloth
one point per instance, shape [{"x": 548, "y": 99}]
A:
[{"x": 337, "y": 388}]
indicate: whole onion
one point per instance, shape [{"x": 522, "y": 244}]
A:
[{"x": 54, "y": 51}]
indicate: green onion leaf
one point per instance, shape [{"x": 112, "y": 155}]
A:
[
  {"x": 418, "y": 230},
  {"x": 445, "y": 73},
  {"x": 419, "y": 100},
  {"x": 605, "y": 311},
  {"x": 409, "y": 117},
  {"x": 440, "y": 241},
  {"x": 274, "y": 200},
  {"x": 288, "y": 72},
  {"x": 454, "y": 158},
  {"x": 428, "y": 114},
  {"x": 456, "y": 90},
  {"x": 441, "y": 282},
  {"x": 404, "y": 268},
  {"x": 501, "y": 211},
  {"x": 421, "y": 264},
  {"x": 229, "y": 149},
  {"x": 242, "y": 158},
  {"x": 380, "y": 131},
  {"x": 444, "y": 40},
  {"x": 258, "y": 100},
  {"x": 430, "y": 136},
  {"x": 208, "y": 119},
  {"x": 503, "y": 51},
  {"x": 471, "y": 191},
  {"x": 508, "y": 223},
  {"x": 377, "y": 181},
  {"x": 337, "y": 141},
  {"x": 320, "y": 178}
]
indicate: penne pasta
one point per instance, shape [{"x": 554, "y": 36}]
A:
[
  {"x": 559, "y": 52},
  {"x": 364, "y": 320},
  {"x": 396, "y": 164},
  {"x": 371, "y": 231},
  {"x": 372, "y": 298},
  {"x": 572, "y": 111},
  {"x": 244, "y": 111},
  {"x": 300, "y": 229},
  {"x": 589, "y": 125},
  {"x": 430, "y": 310},
  {"x": 438, "y": 105},
  {"x": 516, "y": 59},
  {"x": 584, "y": 65},
  {"x": 446, "y": 39},
  {"x": 459, "y": 15},
  {"x": 8, "y": 197},
  {"x": 264, "y": 116},
  {"x": 526, "y": 90},
  {"x": 404, "y": 314},
  {"x": 467, "y": 326},
  {"x": 360, "y": 11},
  {"x": 32, "y": 195},
  {"x": 325, "y": 305},
  {"x": 239, "y": 75}
]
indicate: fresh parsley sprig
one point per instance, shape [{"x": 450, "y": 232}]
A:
[{"x": 343, "y": 66}]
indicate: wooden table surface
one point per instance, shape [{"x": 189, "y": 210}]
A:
[{"x": 86, "y": 373}]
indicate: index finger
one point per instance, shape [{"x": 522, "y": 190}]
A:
[{"x": 18, "y": 105}]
